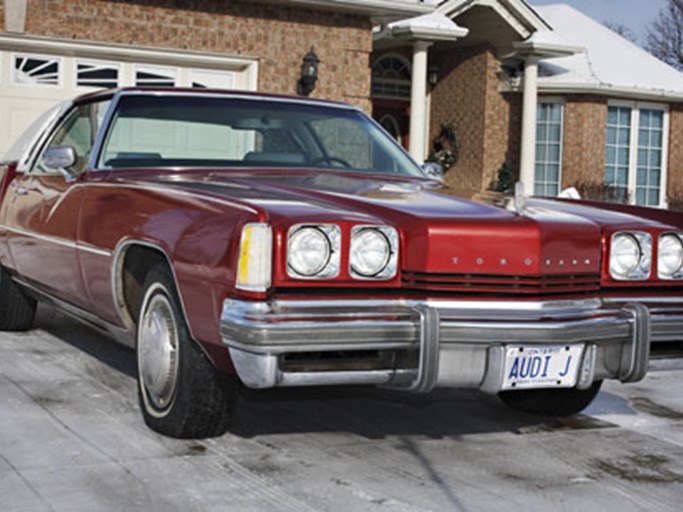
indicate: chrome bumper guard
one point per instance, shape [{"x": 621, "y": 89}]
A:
[{"x": 459, "y": 344}]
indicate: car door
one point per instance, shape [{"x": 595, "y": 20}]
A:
[{"x": 44, "y": 207}]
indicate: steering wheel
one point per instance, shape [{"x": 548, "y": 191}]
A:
[{"x": 331, "y": 160}]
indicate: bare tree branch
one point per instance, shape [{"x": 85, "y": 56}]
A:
[
  {"x": 665, "y": 34},
  {"x": 622, "y": 30}
]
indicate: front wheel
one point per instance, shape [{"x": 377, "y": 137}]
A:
[
  {"x": 181, "y": 393},
  {"x": 551, "y": 402}
]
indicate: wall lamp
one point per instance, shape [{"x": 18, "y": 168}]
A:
[
  {"x": 309, "y": 74},
  {"x": 433, "y": 74}
]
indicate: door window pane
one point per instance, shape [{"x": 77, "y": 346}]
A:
[
  {"x": 548, "y": 149},
  {"x": 649, "y": 157},
  {"x": 79, "y": 131},
  {"x": 634, "y": 171},
  {"x": 618, "y": 150}
]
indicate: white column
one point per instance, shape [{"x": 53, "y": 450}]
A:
[
  {"x": 418, "y": 99},
  {"x": 15, "y": 15},
  {"x": 528, "y": 157}
]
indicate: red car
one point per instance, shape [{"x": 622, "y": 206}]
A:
[{"x": 271, "y": 241}]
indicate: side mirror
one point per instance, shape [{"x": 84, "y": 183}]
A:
[
  {"x": 433, "y": 171},
  {"x": 61, "y": 158}
]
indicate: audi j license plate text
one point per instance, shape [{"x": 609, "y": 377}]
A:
[{"x": 541, "y": 366}]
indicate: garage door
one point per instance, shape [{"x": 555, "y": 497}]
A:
[{"x": 37, "y": 74}]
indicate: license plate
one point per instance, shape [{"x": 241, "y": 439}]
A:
[{"x": 541, "y": 366}]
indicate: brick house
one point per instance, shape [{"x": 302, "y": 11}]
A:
[
  {"x": 561, "y": 99},
  {"x": 517, "y": 84},
  {"x": 55, "y": 49}
]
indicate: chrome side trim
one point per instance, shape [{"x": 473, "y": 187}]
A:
[{"x": 59, "y": 241}]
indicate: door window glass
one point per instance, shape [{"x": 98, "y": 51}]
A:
[{"x": 78, "y": 130}]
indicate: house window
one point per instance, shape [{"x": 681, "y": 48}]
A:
[
  {"x": 391, "y": 78},
  {"x": 635, "y": 158},
  {"x": 37, "y": 70},
  {"x": 548, "y": 149},
  {"x": 89, "y": 74}
]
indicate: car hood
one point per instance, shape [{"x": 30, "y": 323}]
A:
[{"x": 440, "y": 233}]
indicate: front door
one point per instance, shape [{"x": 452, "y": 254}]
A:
[
  {"x": 43, "y": 208},
  {"x": 394, "y": 117}
]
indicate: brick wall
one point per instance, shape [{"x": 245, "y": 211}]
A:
[
  {"x": 499, "y": 124},
  {"x": 487, "y": 121},
  {"x": 278, "y": 35},
  {"x": 459, "y": 98},
  {"x": 675, "y": 164},
  {"x": 585, "y": 131}
]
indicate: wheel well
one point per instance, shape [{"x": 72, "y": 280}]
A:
[{"x": 136, "y": 263}]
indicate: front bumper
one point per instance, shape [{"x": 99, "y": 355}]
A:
[{"x": 439, "y": 343}]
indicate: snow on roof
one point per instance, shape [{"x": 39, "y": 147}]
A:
[
  {"x": 610, "y": 63},
  {"x": 429, "y": 27}
]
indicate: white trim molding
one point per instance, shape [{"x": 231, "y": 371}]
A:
[{"x": 127, "y": 53}]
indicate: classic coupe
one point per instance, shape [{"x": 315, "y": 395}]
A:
[{"x": 238, "y": 239}]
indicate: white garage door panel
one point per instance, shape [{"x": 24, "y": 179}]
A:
[
  {"x": 28, "y": 88},
  {"x": 21, "y": 117}
]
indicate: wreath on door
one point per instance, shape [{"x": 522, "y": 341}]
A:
[{"x": 445, "y": 149}]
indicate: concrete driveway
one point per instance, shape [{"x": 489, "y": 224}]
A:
[{"x": 72, "y": 439}]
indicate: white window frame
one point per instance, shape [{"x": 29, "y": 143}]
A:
[
  {"x": 393, "y": 81},
  {"x": 635, "y": 107},
  {"x": 562, "y": 103},
  {"x": 28, "y": 55}
]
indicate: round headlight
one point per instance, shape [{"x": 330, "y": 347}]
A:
[
  {"x": 308, "y": 251},
  {"x": 370, "y": 252},
  {"x": 670, "y": 260},
  {"x": 624, "y": 256}
]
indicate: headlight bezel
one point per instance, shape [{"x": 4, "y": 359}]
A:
[
  {"x": 642, "y": 270},
  {"x": 331, "y": 233},
  {"x": 389, "y": 268},
  {"x": 678, "y": 273}
]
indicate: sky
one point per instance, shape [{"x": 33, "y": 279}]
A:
[{"x": 634, "y": 14}]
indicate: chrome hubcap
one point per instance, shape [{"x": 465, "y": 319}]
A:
[{"x": 158, "y": 351}]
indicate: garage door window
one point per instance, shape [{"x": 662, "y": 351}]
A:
[
  {"x": 155, "y": 76},
  {"x": 36, "y": 70},
  {"x": 97, "y": 75}
]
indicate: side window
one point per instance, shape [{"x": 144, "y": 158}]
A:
[{"x": 78, "y": 130}]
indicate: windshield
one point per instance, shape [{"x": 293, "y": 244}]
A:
[{"x": 187, "y": 131}]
